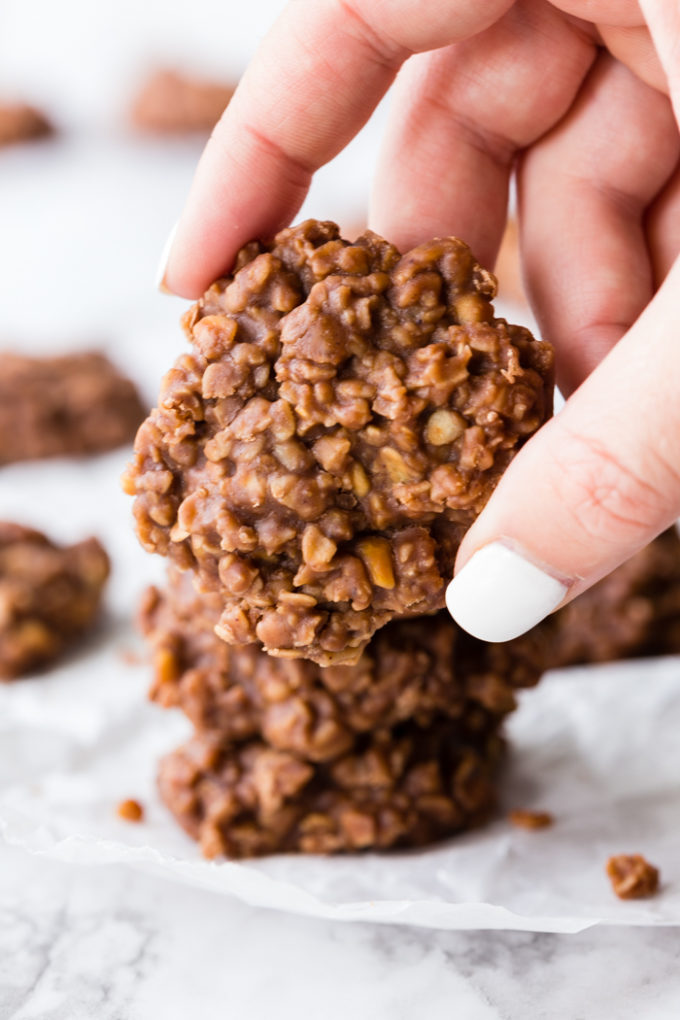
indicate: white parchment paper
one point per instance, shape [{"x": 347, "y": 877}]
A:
[{"x": 598, "y": 747}]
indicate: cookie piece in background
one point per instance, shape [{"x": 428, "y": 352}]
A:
[
  {"x": 20, "y": 122},
  {"x": 64, "y": 406},
  {"x": 49, "y": 596},
  {"x": 631, "y": 613},
  {"x": 173, "y": 103},
  {"x": 343, "y": 417}
]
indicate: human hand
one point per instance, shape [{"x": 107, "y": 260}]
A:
[{"x": 580, "y": 108}]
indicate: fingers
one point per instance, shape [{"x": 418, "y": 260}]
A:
[
  {"x": 662, "y": 225},
  {"x": 593, "y": 486},
  {"x": 633, "y": 46},
  {"x": 610, "y": 12},
  {"x": 297, "y": 104},
  {"x": 459, "y": 116},
  {"x": 663, "y": 21},
  {"x": 436, "y": 177},
  {"x": 663, "y": 220},
  {"x": 583, "y": 192},
  {"x": 313, "y": 84}
]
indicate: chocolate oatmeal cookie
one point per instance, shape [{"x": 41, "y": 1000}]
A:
[
  {"x": 405, "y": 787},
  {"x": 633, "y": 612},
  {"x": 341, "y": 419},
  {"x": 412, "y": 669},
  {"x": 73, "y": 404},
  {"x": 174, "y": 103},
  {"x": 21, "y": 123},
  {"x": 49, "y": 595}
]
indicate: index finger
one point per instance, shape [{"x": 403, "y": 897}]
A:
[{"x": 312, "y": 85}]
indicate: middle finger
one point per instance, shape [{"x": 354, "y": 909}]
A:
[{"x": 460, "y": 114}]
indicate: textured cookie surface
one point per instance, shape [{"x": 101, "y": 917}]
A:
[
  {"x": 404, "y": 787},
  {"x": 416, "y": 669},
  {"x": 343, "y": 416}
]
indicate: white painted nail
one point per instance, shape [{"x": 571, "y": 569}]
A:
[
  {"x": 163, "y": 261},
  {"x": 499, "y": 594}
]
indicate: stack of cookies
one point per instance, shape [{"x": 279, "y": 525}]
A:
[
  {"x": 311, "y": 467},
  {"x": 399, "y": 748}
]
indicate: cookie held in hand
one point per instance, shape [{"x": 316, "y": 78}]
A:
[{"x": 343, "y": 416}]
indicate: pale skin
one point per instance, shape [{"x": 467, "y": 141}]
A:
[{"x": 581, "y": 98}]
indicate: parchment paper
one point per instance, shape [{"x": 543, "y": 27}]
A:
[{"x": 597, "y": 747}]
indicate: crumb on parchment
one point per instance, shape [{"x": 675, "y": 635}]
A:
[
  {"x": 130, "y": 811},
  {"x": 525, "y": 819},
  {"x": 632, "y": 877}
]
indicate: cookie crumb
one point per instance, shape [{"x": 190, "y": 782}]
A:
[
  {"x": 632, "y": 877},
  {"x": 525, "y": 819},
  {"x": 131, "y": 811}
]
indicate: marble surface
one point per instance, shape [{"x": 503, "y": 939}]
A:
[{"x": 107, "y": 943}]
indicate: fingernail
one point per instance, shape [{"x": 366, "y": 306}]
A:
[
  {"x": 163, "y": 262},
  {"x": 499, "y": 594}
]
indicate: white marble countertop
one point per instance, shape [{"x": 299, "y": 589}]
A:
[{"x": 80, "y": 943}]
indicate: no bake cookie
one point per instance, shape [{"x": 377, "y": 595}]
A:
[
  {"x": 21, "y": 123},
  {"x": 49, "y": 595},
  {"x": 60, "y": 406},
  {"x": 417, "y": 669},
  {"x": 405, "y": 787},
  {"x": 174, "y": 103},
  {"x": 634, "y": 611},
  {"x": 341, "y": 419}
]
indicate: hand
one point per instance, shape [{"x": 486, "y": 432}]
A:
[{"x": 577, "y": 96}]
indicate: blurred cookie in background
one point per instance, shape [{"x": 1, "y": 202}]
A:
[
  {"x": 20, "y": 122},
  {"x": 49, "y": 596},
  {"x": 73, "y": 404},
  {"x": 171, "y": 102}
]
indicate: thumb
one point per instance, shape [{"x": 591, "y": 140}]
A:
[{"x": 594, "y": 485}]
